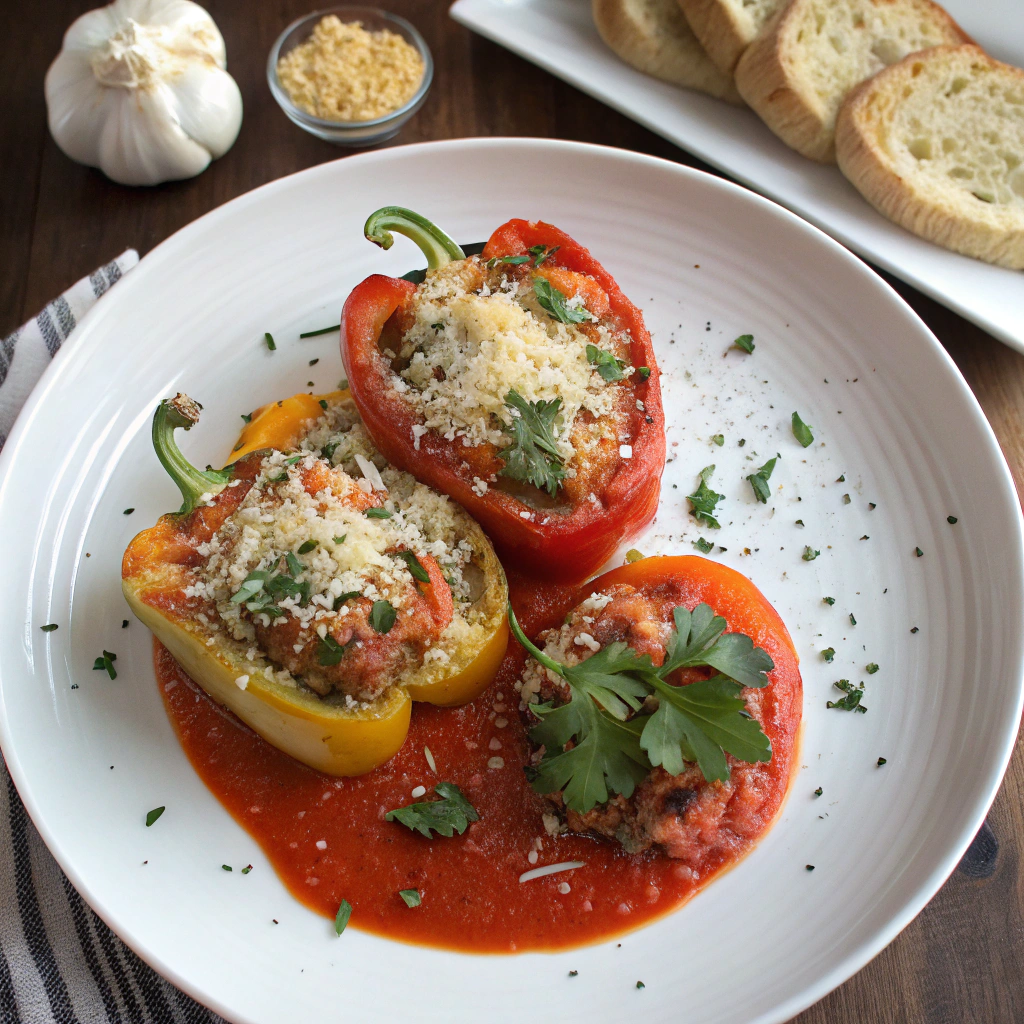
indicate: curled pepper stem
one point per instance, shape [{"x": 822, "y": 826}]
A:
[
  {"x": 171, "y": 413},
  {"x": 531, "y": 648},
  {"x": 436, "y": 245}
]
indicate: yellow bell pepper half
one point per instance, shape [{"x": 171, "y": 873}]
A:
[{"x": 320, "y": 732}]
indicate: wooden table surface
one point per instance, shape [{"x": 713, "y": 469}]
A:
[{"x": 962, "y": 960}]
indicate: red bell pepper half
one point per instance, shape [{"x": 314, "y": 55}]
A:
[{"x": 567, "y": 543}]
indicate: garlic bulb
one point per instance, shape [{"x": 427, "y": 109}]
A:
[{"x": 140, "y": 91}]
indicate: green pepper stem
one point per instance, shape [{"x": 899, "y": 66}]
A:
[
  {"x": 171, "y": 413},
  {"x": 436, "y": 245},
  {"x": 532, "y": 649}
]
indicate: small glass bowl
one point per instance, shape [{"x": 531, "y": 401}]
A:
[{"x": 350, "y": 133}]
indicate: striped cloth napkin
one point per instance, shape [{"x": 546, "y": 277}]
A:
[{"x": 59, "y": 963}]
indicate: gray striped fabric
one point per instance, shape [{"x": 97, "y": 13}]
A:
[{"x": 59, "y": 963}]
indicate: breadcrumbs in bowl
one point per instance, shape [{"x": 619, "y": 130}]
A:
[{"x": 351, "y": 75}]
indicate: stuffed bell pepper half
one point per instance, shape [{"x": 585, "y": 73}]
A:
[
  {"x": 521, "y": 382},
  {"x": 664, "y": 711},
  {"x": 312, "y": 588}
]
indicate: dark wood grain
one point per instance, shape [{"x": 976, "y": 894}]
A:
[{"x": 961, "y": 961}]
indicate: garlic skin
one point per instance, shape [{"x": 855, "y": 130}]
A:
[{"x": 140, "y": 91}]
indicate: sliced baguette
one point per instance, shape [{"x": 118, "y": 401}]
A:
[
  {"x": 813, "y": 52},
  {"x": 725, "y": 28},
  {"x": 653, "y": 37},
  {"x": 936, "y": 143}
]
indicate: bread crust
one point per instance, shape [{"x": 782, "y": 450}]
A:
[
  {"x": 768, "y": 77},
  {"x": 654, "y": 37},
  {"x": 864, "y": 160},
  {"x": 718, "y": 30}
]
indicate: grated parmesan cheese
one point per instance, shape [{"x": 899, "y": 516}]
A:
[
  {"x": 469, "y": 345},
  {"x": 345, "y": 73}
]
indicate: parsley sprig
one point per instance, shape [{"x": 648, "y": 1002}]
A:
[
  {"x": 552, "y": 301},
  {"x": 704, "y": 499},
  {"x": 617, "y": 740},
  {"x": 605, "y": 363},
  {"x": 533, "y": 456},
  {"x": 452, "y": 813}
]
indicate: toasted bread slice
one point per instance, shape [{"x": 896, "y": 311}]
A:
[
  {"x": 725, "y": 28},
  {"x": 936, "y": 143},
  {"x": 653, "y": 36},
  {"x": 813, "y": 52}
]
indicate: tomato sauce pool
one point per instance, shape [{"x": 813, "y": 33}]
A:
[{"x": 328, "y": 840}]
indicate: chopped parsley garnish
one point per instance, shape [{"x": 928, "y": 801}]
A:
[
  {"x": 437, "y": 326},
  {"x": 846, "y": 499},
  {"x": 703, "y": 500},
  {"x": 342, "y": 598},
  {"x": 718, "y": 439},
  {"x": 533, "y": 456},
  {"x": 803, "y": 434},
  {"x": 377, "y": 513},
  {"x": 851, "y": 702},
  {"x": 700, "y": 722},
  {"x": 809, "y": 867},
  {"x": 342, "y": 916},
  {"x": 340, "y": 540},
  {"x": 411, "y": 896},
  {"x": 828, "y": 654},
  {"x": 269, "y": 339},
  {"x": 124, "y": 623},
  {"x": 702, "y": 545},
  {"x": 313, "y": 362},
  {"x": 819, "y": 791},
  {"x": 799, "y": 522},
  {"x": 152, "y": 816},
  {"x": 49, "y": 627},
  {"x": 105, "y": 663},
  {"x": 918, "y": 552},
  {"x": 247, "y": 417},
  {"x": 643, "y": 372},
  {"x": 306, "y": 546},
  {"x": 329, "y": 651},
  {"x": 382, "y": 616},
  {"x": 759, "y": 481},
  {"x": 129, "y": 511},
  {"x": 745, "y": 342},
  {"x": 246, "y": 869},
  {"x": 809, "y": 554},
  {"x": 540, "y": 253},
  {"x": 451, "y": 814},
  {"x": 853, "y": 621},
  {"x": 415, "y": 566},
  {"x": 515, "y": 261},
  {"x": 871, "y": 669},
  {"x": 262, "y": 589},
  {"x": 329, "y": 449},
  {"x": 322, "y": 330},
  {"x": 829, "y": 600},
  {"x": 605, "y": 363},
  {"x": 951, "y": 520},
  {"x": 323, "y": 404},
  {"x": 226, "y": 867},
  {"x": 640, "y": 984},
  {"x": 881, "y": 761},
  {"x": 552, "y": 301}
]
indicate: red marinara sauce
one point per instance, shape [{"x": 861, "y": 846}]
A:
[{"x": 472, "y": 899}]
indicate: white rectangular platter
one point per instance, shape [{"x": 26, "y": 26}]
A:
[{"x": 560, "y": 37}]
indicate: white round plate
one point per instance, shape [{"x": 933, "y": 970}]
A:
[{"x": 894, "y": 425}]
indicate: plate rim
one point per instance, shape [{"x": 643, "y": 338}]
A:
[{"x": 854, "y": 960}]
